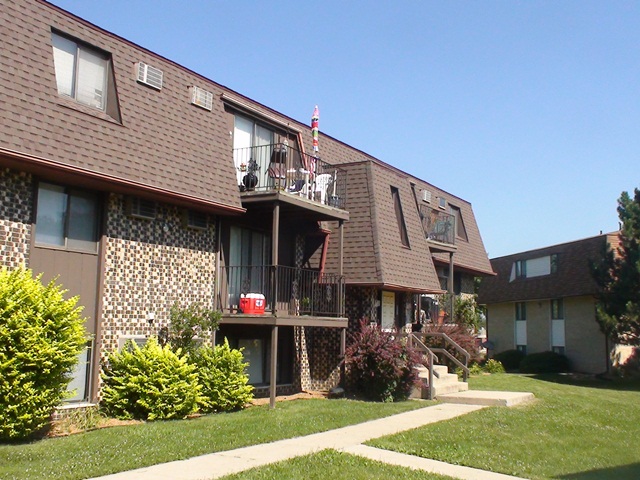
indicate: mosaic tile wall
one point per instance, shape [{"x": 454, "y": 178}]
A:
[
  {"x": 15, "y": 217},
  {"x": 149, "y": 265},
  {"x": 317, "y": 362}
]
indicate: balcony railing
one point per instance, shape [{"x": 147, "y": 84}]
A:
[
  {"x": 281, "y": 167},
  {"x": 438, "y": 225},
  {"x": 287, "y": 290}
]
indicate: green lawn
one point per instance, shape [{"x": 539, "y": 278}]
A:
[
  {"x": 333, "y": 464},
  {"x": 124, "y": 448},
  {"x": 576, "y": 429}
]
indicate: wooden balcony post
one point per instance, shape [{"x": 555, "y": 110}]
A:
[
  {"x": 275, "y": 235},
  {"x": 274, "y": 366},
  {"x": 450, "y": 287}
]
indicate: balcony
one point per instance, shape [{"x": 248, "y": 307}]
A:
[
  {"x": 289, "y": 292},
  {"x": 281, "y": 168},
  {"x": 438, "y": 226}
]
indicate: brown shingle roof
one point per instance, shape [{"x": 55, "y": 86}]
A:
[{"x": 573, "y": 276}]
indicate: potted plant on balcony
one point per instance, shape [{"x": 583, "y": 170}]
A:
[{"x": 305, "y": 305}]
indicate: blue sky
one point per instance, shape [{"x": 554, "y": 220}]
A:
[{"x": 530, "y": 110}]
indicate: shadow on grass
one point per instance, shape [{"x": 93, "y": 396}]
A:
[
  {"x": 591, "y": 381},
  {"x": 624, "y": 472}
]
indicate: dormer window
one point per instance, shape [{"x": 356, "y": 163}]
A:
[
  {"x": 534, "y": 267},
  {"x": 83, "y": 74}
]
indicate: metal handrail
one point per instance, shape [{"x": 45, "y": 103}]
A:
[
  {"x": 464, "y": 366},
  {"x": 432, "y": 358}
]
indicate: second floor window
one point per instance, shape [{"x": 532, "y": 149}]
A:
[
  {"x": 521, "y": 311},
  {"x": 81, "y": 72}
]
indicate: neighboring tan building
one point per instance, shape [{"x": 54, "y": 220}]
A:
[
  {"x": 138, "y": 183},
  {"x": 544, "y": 300}
]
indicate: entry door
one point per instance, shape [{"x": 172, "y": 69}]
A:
[
  {"x": 249, "y": 254},
  {"x": 251, "y": 142},
  {"x": 388, "y": 321},
  {"x": 65, "y": 249}
]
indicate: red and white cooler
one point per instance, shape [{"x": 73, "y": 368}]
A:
[{"x": 252, "y": 303}]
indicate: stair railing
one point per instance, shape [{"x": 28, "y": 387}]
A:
[
  {"x": 447, "y": 340},
  {"x": 417, "y": 343}
]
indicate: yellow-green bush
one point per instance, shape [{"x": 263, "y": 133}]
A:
[
  {"x": 150, "y": 383},
  {"x": 41, "y": 336},
  {"x": 221, "y": 372}
]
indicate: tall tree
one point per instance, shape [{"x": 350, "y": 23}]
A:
[{"x": 618, "y": 276}]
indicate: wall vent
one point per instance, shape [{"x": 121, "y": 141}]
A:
[
  {"x": 149, "y": 75},
  {"x": 141, "y": 208},
  {"x": 193, "y": 219},
  {"x": 202, "y": 98},
  {"x": 426, "y": 196}
]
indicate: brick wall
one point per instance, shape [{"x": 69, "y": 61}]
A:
[
  {"x": 150, "y": 265},
  {"x": 16, "y": 211}
]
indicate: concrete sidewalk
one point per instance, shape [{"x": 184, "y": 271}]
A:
[{"x": 348, "y": 439}]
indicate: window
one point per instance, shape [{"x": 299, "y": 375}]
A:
[
  {"x": 67, "y": 218},
  {"x": 461, "y": 231},
  {"x": 251, "y": 141},
  {"x": 534, "y": 267},
  {"x": 81, "y": 72},
  {"x": 557, "y": 326},
  {"x": 557, "y": 309},
  {"x": 521, "y": 269},
  {"x": 404, "y": 237},
  {"x": 521, "y": 326}
]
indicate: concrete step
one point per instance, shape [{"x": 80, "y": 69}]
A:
[
  {"x": 482, "y": 397},
  {"x": 448, "y": 389}
]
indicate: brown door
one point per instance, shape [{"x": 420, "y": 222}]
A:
[{"x": 65, "y": 249}]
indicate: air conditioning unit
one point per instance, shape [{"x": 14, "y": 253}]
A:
[
  {"x": 149, "y": 75},
  {"x": 426, "y": 196},
  {"x": 193, "y": 219},
  {"x": 141, "y": 208},
  {"x": 202, "y": 98}
]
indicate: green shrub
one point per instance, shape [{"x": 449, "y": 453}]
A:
[
  {"x": 380, "y": 365},
  {"x": 493, "y": 366},
  {"x": 149, "y": 383},
  {"x": 41, "y": 336},
  {"x": 510, "y": 359},
  {"x": 544, "y": 362},
  {"x": 221, "y": 372}
]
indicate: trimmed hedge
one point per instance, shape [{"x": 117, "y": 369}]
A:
[
  {"x": 41, "y": 336},
  {"x": 510, "y": 359},
  {"x": 544, "y": 362}
]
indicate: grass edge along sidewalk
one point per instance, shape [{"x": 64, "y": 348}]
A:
[
  {"x": 118, "y": 449},
  {"x": 578, "y": 428}
]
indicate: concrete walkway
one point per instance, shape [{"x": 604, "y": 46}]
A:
[{"x": 348, "y": 439}]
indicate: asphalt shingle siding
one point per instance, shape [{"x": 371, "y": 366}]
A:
[{"x": 572, "y": 278}]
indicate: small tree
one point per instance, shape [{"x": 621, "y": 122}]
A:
[
  {"x": 41, "y": 336},
  {"x": 618, "y": 276},
  {"x": 466, "y": 310},
  {"x": 188, "y": 323}
]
